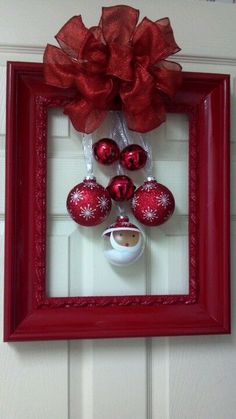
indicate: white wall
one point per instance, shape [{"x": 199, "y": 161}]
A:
[{"x": 161, "y": 378}]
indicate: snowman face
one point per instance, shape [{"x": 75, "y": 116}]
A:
[{"x": 126, "y": 238}]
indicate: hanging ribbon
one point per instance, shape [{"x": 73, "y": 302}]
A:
[
  {"x": 148, "y": 148},
  {"x": 87, "y": 144},
  {"x": 115, "y": 65}
]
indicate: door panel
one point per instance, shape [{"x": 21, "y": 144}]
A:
[
  {"x": 71, "y": 249},
  {"x": 161, "y": 378}
]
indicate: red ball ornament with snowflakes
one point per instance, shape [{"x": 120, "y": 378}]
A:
[
  {"x": 153, "y": 203},
  {"x": 88, "y": 203},
  {"x": 106, "y": 151},
  {"x": 121, "y": 188},
  {"x": 133, "y": 157}
]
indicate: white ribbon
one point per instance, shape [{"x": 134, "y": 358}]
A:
[{"x": 87, "y": 143}]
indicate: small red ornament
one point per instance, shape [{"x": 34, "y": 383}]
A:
[
  {"x": 88, "y": 203},
  {"x": 133, "y": 157},
  {"x": 106, "y": 151},
  {"x": 153, "y": 203},
  {"x": 121, "y": 188}
]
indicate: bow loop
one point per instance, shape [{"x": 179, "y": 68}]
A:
[
  {"x": 168, "y": 77},
  {"x": 153, "y": 40},
  {"x": 139, "y": 91},
  {"x": 84, "y": 116},
  {"x": 118, "y": 23},
  {"x": 120, "y": 62},
  {"x": 95, "y": 89},
  {"x": 94, "y": 58},
  {"x": 167, "y": 33},
  {"x": 73, "y": 36},
  {"x": 58, "y": 69}
]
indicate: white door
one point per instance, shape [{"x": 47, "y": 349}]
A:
[{"x": 160, "y": 378}]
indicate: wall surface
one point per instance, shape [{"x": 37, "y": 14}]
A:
[{"x": 159, "y": 378}]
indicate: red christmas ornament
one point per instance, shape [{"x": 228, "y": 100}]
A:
[
  {"x": 106, "y": 151},
  {"x": 88, "y": 203},
  {"x": 153, "y": 203},
  {"x": 121, "y": 188},
  {"x": 133, "y": 157}
]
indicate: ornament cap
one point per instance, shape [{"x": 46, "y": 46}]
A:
[
  {"x": 122, "y": 218},
  {"x": 90, "y": 177},
  {"x": 122, "y": 223},
  {"x": 150, "y": 178}
]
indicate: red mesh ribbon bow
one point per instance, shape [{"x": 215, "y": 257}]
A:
[{"x": 115, "y": 65}]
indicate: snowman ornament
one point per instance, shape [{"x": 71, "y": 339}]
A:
[{"x": 123, "y": 242}]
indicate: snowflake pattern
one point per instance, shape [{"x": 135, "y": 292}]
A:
[
  {"x": 148, "y": 186},
  {"x": 163, "y": 200},
  {"x": 150, "y": 214},
  {"x": 90, "y": 185},
  {"x": 135, "y": 202},
  {"x": 103, "y": 203},
  {"x": 87, "y": 212},
  {"x": 76, "y": 196}
]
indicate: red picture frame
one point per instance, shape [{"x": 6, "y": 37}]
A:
[{"x": 28, "y": 313}]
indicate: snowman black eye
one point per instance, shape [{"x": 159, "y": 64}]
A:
[
  {"x": 121, "y": 234},
  {"x": 133, "y": 235}
]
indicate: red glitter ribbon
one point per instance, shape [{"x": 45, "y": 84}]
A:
[{"x": 115, "y": 65}]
